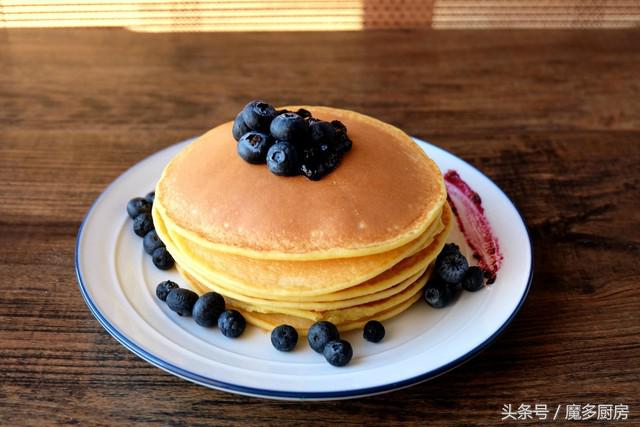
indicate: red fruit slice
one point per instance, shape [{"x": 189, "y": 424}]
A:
[{"x": 467, "y": 207}]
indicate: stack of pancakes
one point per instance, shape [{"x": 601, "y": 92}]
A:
[{"x": 357, "y": 245}]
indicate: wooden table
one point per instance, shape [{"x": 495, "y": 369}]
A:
[{"x": 552, "y": 116}]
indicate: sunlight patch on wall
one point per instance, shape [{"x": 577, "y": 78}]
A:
[
  {"x": 204, "y": 15},
  {"x": 318, "y": 15},
  {"x": 470, "y": 14}
]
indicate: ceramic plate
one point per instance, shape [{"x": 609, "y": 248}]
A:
[{"x": 117, "y": 280}]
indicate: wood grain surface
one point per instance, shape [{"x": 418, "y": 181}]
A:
[{"x": 552, "y": 116}]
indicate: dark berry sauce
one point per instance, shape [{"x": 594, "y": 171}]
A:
[{"x": 467, "y": 207}]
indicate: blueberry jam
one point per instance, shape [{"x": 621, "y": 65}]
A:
[
  {"x": 467, "y": 207},
  {"x": 290, "y": 143}
]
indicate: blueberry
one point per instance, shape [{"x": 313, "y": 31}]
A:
[
  {"x": 320, "y": 333},
  {"x": 231, "y": 323},
  {"x": 137, "y": 206},
  {"x": 339, "y": 126},
  {"x": 239, "y": 127},
  {"x": 282, "y": 159},
  {"x": 163, "y": 289},
  {"x": 151, "y": 242},
  {"x": 305, "y": 114},
  {"x": 142, "y": 224},
  {"x": 331, "y": 161},
  {"x": 452, "y": 267},
  {"x": 450, "y": 248},
  {"x": 182, "y": 301},
  {"x": 289, "y": 127},
  {"x": 150, "y": 197},
  {"x": 373, "y": 331},
  {"x": 455, "y": 289},
  {"x": 309, "y": 153},
  {"x": 338, "y": 352},
  {"x": 253, "y": 147},
  {"x": 437, "y": 294},
  {"x": 344, "y": 144},
  {"x": 313, "y": 171},
  {"x": 473, "y": 280},
  {"x": 284, "y": 337},
  {"x": 257, "y": 115},
  {"x": 208, "y": 308},
  {"x": 322, "y": 133},
  {"x": 162, "y": 259}
]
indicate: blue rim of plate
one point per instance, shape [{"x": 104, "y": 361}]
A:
[{"x": 278, "y": 394}]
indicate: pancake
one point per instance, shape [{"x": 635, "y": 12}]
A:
[
  {"x": 384, "y": 195},
  {"x": 282, "y": 306},
  {"x": 270, "y": 321},
  {"x": 282, "y": 279},
  {"x": 391, "y": 278},
  {"x": 357, "y": 245},
  {"x": 341, "y": 318}
]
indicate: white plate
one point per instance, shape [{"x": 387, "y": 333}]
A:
[{"x": 117, "y": 281}]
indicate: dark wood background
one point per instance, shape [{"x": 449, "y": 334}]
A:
[{"x": 552, "y": 116}]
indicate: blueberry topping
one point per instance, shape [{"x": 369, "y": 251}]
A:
[
  {"x": 437, "y": 294},
  {"x": 162, "y": 259},
  {"x": 142, "y": 224},
  {"x": 373, "y": 331},
  {"x": 309, "y": 153},
  {"x": 151, "y": 242},
  {"x": 150, "y": 197},
  {"x": 163, "y": 289},
  {"x": 320, "y": 333},
  {"x": 137, "y": 206},
  {"x": 239, "y": 127},
  {"x": 331, "y": 161},
  {"x": 257, "y": 115},
  {"x": 284, "y": 337},
  {"x": 282, "y": 159},
  {"x": 322, "y": 133},
  {"x": 312, "y": 171},
  {"x": 253, "y": 147},
  {"x": 181, "y": 301},
  {"x": 208, "y": 308},
  {"x": 338, "y": 352},
  {"x": 344, "y": 144},
  {"x": 452, "y": 267},
  {"x": 289, "y": 127},
  {"x": 305, "y": 114},
  {"x": 473, "y": 280},
  {"x": 312, "y": 147},
  {"x": 231, "y": 323},
  {"x": 339, "y": 126}
]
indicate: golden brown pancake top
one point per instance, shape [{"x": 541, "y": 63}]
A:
[{"x": 384, "y": 193}]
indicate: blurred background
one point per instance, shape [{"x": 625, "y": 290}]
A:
[{"x": 318, "y": 15}]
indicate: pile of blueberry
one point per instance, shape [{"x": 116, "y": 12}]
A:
[
  {"x": 139, "y": 209},
  {"x": 208, "y": 310},
  {"x": 323, "y": 337},
  {"x": 290, "y": 143},
  {"x": 452, "y": 274}
]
